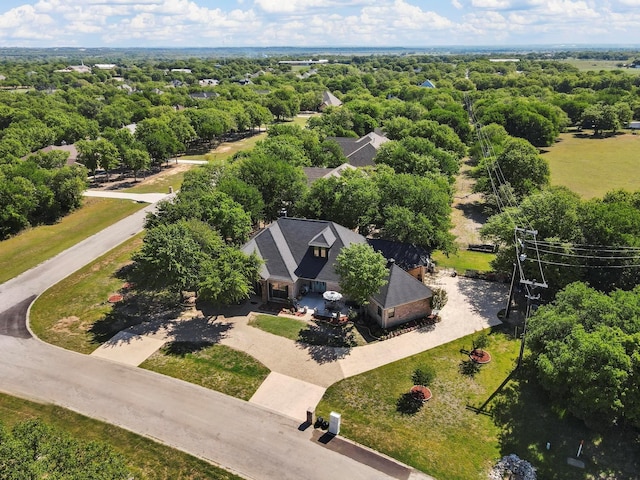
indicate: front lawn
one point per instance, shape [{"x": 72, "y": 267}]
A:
[
  {"x": 282, "y": 326},
  {"x": 217, "y": 367},
  {"x": 310, "y": 333},
  {"x": 66, "y": 314},
  {"x": 450, "y": 438}
]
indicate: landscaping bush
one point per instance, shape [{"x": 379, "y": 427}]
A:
[
  {"x": 423, "y": 375},
  {"x": 480, "y": 342}
]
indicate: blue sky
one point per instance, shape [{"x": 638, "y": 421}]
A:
[{"x": 229, "y": 23}]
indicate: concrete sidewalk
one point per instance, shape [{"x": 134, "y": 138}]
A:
[{"x": 136, "y": 197}]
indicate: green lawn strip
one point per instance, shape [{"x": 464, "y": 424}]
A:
[
  {"x": 145, "y": 458},
  {"x": 217, "y": 367},
  {"x": 32, "y": 247},
  {"x": 159, "y": 185},
  {"x": 464, "y": 260},
  {"x": 282, "y": 326},
  {"x": 65, "y": 314},
  {"x": 592, "y": 166},
  {"x": 314, "y": 333}
]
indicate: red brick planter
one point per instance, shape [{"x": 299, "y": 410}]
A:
[
  {"x": 426, "y": 392},
  {"x": 115, "y": 298},
  {"x": 480, "y": 356}
]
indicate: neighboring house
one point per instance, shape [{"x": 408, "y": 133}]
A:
[
  {"x": 329, "y": 100},
  {"x": 299, "y": 256},
  {"x": 413, "y": 259},
  {"x": 181, "y": 70},
  {"x": 75, "y": 68},
  {"x": 203, "y": 95},
  {"x": 208, "y": 82},
  {"x": 71, "y": 149},
  {"x": 360, "y": 152},
  {"x": 315, "y": 173},
  {"x": 105, "y": 66},
  {"x": 428, "y": 84}
]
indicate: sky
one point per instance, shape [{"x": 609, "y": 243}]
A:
[{"x": 317, "y": 23}]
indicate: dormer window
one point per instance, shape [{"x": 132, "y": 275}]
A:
[{"x": 320, "y": 252}]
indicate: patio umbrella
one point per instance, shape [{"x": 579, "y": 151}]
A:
[{"x": 332, "y": 296}]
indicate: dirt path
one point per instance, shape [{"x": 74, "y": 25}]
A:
[{"x": 467, "y": 216}]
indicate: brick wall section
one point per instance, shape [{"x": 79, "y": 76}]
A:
[
  {"x": 409, "y": 311},
  {"x": 403, "y": 313}
]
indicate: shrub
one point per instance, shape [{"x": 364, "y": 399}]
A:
[
  {"x": 423, "y": 375},
  {"x": 481, "y": 342}
]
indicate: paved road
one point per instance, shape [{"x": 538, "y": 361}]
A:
[{"x": 242, "y": 437}]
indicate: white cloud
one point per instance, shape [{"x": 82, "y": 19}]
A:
[
  {"x": 456, "y": 4},
  {"x": 493, "y": 4},
  {"x": 24, "y": 16}
]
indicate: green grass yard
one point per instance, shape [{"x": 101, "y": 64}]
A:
[
  {"x": 464, "y": 260},
  {"x": 282, "y": 326},
  {"x": 216, "y": 367},
  {"x": 32, "y": 247},
  {"x": 65, "y": 314},
  {"x": 448, "y": 439},
  {"x": 593, "y": 166},
  {"x": 146, "y": 459}
]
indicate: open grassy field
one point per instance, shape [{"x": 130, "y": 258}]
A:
[
  {"x": 472, "y": 421},
  {"x": 216, "y": 367},
  {"x": 32, "y": 247},
  {"x": 145, "y": 458},
  {"x": 592, "y": 166},
  {"x": 588, "y": 65}
]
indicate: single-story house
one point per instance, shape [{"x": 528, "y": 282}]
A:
[{"x": 299, "y": 256}]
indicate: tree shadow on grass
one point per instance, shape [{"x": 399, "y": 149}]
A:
[
  {"x": 149, "y": 311},
  {"x": 409, "y": 403},
  {"x": 528, "y": 419},
  {"x": 327, "y": 343}
]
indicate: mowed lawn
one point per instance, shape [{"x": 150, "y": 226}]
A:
[
  {"x": 471, "y": 422},
  {"x": 593, "y": 166},
  {"x": 33, "y": 246}
]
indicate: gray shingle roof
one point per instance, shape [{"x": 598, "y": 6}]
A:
[
  {"x": 401, "y": 288},
  {"x": 285, "y": 248},
  {"x": 406, "y": 255}
]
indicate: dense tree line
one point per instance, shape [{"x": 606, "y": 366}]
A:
[{"x": 585, "y": 349}]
